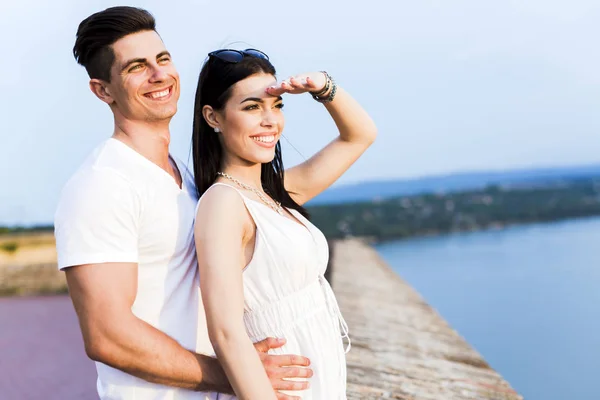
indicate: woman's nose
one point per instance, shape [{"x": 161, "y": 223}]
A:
[{"x": 269, "y": 118}]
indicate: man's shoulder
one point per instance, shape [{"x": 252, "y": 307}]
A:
[
  {"x": 101, "y": 170},
  {"x": 98, "y": 187},
  {"x": 112, "y": 159}
]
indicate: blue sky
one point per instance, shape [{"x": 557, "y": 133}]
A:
[{"x": 453, "y": 86}]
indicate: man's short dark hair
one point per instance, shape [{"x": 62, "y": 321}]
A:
[{"x": 98, "y": 32}]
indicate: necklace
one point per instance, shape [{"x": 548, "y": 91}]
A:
[{"x": 275, "y": 205}]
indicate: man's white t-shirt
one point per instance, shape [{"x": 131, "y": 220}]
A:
[{"x": 121, "y": 207}]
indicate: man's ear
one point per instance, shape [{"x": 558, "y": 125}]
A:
[
  {"x": 210, "y": 116},
  {"x": 100, "y": 89}
]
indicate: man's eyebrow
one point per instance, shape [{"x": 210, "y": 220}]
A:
[
  {"x": 133, "y": 61},
  {"x": 162, "y": 54},
  {"x": 143, "y": 60},
  {"x": 259, "y": 100}
]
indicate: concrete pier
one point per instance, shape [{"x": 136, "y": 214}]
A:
[{"x": 401, "y": 347}]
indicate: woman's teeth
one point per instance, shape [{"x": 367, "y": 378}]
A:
[{"x": 264, "y": 139}]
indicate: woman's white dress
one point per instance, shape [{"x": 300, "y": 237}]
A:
[{"x": 287, "y": 296}]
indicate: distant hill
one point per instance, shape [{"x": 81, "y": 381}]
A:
[{"x": 373, "y": 190}]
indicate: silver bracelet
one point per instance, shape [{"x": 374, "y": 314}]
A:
[{"x": 331, "y": 96}]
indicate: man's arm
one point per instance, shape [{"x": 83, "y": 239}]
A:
[{"x": 103, "y": 295}]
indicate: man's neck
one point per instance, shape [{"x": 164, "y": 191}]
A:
[{"x": 151, "y": 140}]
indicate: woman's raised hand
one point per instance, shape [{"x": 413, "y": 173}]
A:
[{"x": 302, "y": 83}]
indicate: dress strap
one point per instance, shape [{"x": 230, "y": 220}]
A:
[{"x": 335, "y": 308}]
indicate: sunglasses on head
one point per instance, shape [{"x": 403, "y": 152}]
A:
[{"x": 235, "y": 56}]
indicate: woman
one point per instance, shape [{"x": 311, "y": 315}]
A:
[{"x": 261, "y": 261}]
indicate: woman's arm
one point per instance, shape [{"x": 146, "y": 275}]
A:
[
  {"x": 357, "y": 132},
  {"x": 221, "y": 231}
]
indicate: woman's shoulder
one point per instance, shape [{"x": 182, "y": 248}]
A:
[
  {"x": 223, "y": 202},
  {"x": 221, "y": 195},
  {"x": 219, "y": 189}
]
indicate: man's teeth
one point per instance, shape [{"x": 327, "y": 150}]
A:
[
  {"x": 157, "y": 95},
  {"x": 264, "y": 139}
]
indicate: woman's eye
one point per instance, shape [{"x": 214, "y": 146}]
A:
[
  {"x": 251, "y": 107},
  {"x": 280, "y": 105}
]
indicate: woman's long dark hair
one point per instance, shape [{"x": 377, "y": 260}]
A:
[{"x": 214, "y": 89}]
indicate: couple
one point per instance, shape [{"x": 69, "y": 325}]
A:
[{"x": 206, "y": 285}]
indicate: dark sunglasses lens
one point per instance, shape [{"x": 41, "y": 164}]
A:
[
  {"x": 256, "y": 53},
  {"x": 229, "y": 56}
]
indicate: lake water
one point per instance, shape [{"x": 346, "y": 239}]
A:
[{"x": 527, "y": 298}]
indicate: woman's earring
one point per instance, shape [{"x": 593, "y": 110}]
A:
[{"x": 217, "y": 130}]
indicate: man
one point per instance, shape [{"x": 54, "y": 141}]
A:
[{"x": 124, "y": 230}]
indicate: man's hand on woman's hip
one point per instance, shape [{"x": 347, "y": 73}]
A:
[{"x": 281, "y": 368}]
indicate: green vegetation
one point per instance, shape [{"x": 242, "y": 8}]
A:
[
  {"x": 5, "y": 230},
  {"x": 437, "y": 213},
  {"x": 9, "y": 247}
]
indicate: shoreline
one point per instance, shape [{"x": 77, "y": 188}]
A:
[{"x": 496, "y": 228}]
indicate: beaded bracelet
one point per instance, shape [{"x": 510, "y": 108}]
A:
[{"x": 331, "y": 96}]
